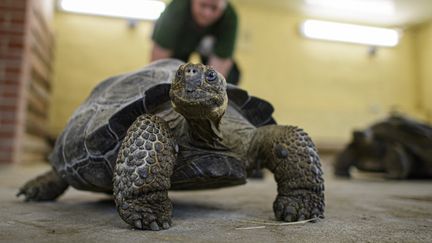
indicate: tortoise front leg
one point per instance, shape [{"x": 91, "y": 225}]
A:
[
  {"x": 142, "y": 174},
  {"x": 290, "y": 154},
  {"x": 344, "y": 161},
  {"x": 46, "y": 187}
]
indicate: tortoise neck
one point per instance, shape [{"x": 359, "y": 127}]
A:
[{"x": 205, "y": 133}]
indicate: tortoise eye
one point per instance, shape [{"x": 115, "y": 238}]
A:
[
  {"x": 179, "y": 73},
  {"x": 211, "y": 75}
]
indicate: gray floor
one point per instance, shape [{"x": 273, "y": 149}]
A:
[{"x": 367, "y": 209}]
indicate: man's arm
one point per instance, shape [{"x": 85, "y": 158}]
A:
[
  {"x": 226, "y": 34},
  {"x": 167, "y": 28},
  {"x": 159, "y": 52},
  {"x": 222, "y": 65}
]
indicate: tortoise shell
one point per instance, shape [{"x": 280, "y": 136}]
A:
[{"x": 86, "y": 151}]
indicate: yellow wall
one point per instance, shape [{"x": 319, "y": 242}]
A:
[
  {"x": 327, "y": 88},
  {"x": 424, "y": 52},
  {"x": 88, "y": 50}
]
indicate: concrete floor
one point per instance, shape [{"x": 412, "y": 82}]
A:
[{"x": 367, "y": 209}]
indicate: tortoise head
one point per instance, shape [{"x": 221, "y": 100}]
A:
[{"x": 199, "y": 92}]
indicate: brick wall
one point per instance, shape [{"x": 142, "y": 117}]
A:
[
  {"x": 26, "y": 41},
  {"x": 12, "y": 77}
]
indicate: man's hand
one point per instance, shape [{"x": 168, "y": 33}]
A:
[
  {"x": 222, "y": 65},
  {"x": 159, "y": 52}
]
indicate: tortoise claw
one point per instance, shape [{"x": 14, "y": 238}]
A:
[
  {"x": 154, "y": 226},
  {"x": 298, "y": 208},
  {"x": 138, "y": 224},
  {"x": 147, "y": 212},
  {"x": 301, "y": 217},
  {"x": 20, "y": 192},
  {"x": 290, "y": 214},
  {"x": 30, "y": 193},
  {"x": 46, "y": 187},
  {"x": 165, "y": 225}
]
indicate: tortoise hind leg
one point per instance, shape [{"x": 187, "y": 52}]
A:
[
  {"x": 142, "y": 174},
  {"x": 290, "y": 154},
  {"x": 46, "y": 187},
  {"x": 397, "y": 162}
]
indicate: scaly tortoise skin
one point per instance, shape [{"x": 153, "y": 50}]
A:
[{"x": 176, "y": 126}]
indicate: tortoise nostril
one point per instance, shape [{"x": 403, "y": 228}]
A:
[{"x": 191, "y": 71}]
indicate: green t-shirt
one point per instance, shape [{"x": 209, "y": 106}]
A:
[{"x": 176, "y": 30}]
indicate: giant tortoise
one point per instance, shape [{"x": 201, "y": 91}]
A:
[{"x": 176, "y": 126}]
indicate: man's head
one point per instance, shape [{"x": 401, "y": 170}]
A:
[
  {"x": 207, "y": 12},
  {"x": 199, "y": 92}
]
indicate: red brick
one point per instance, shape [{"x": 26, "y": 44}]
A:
[
  {"x": 8, "y": 116},
  {"x": 15, "y": 39},
  {"x": 7, "y": 128},
  {"x": 6, "y": 157},
  {"x": 6, "y": 32},
  {"x": 9, "y": 82},
  {"x": 11, "y": 76},
  {"x": 13, "y": 2},
  {"x": 5, "y": 154},
  {"x": 12, "y": 16},
  {"x": 15, "y": 44},
  {"x": 11, "y": 51},
  {"x": 10, "y": 62},
  {"x": 7, "y": 107},
  {"x": 18, "y": 21},
  {"x": 10, "y": 54},
  {"x": 8, "y": 96},
  {"x": 6, "y": 142},
  {"x": 6, "y": 148},
  {"x": 6, "y": 145},
  {"x": 6, "y": 5},
  {"x": 6, "y": 121},
  {"x": 6, "y": 160},
  {"x": 6, "y": 134},
  {"x": 17, "y": 18},
  {"x": 4, "y": 41},
  {"x": 12, "y": 70},
  {"x": 7, "y": 138},
  {"x": 8, "y": 101},
  {"x": 12, "y": 28},
  {"x": 4, "y": 18}
]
